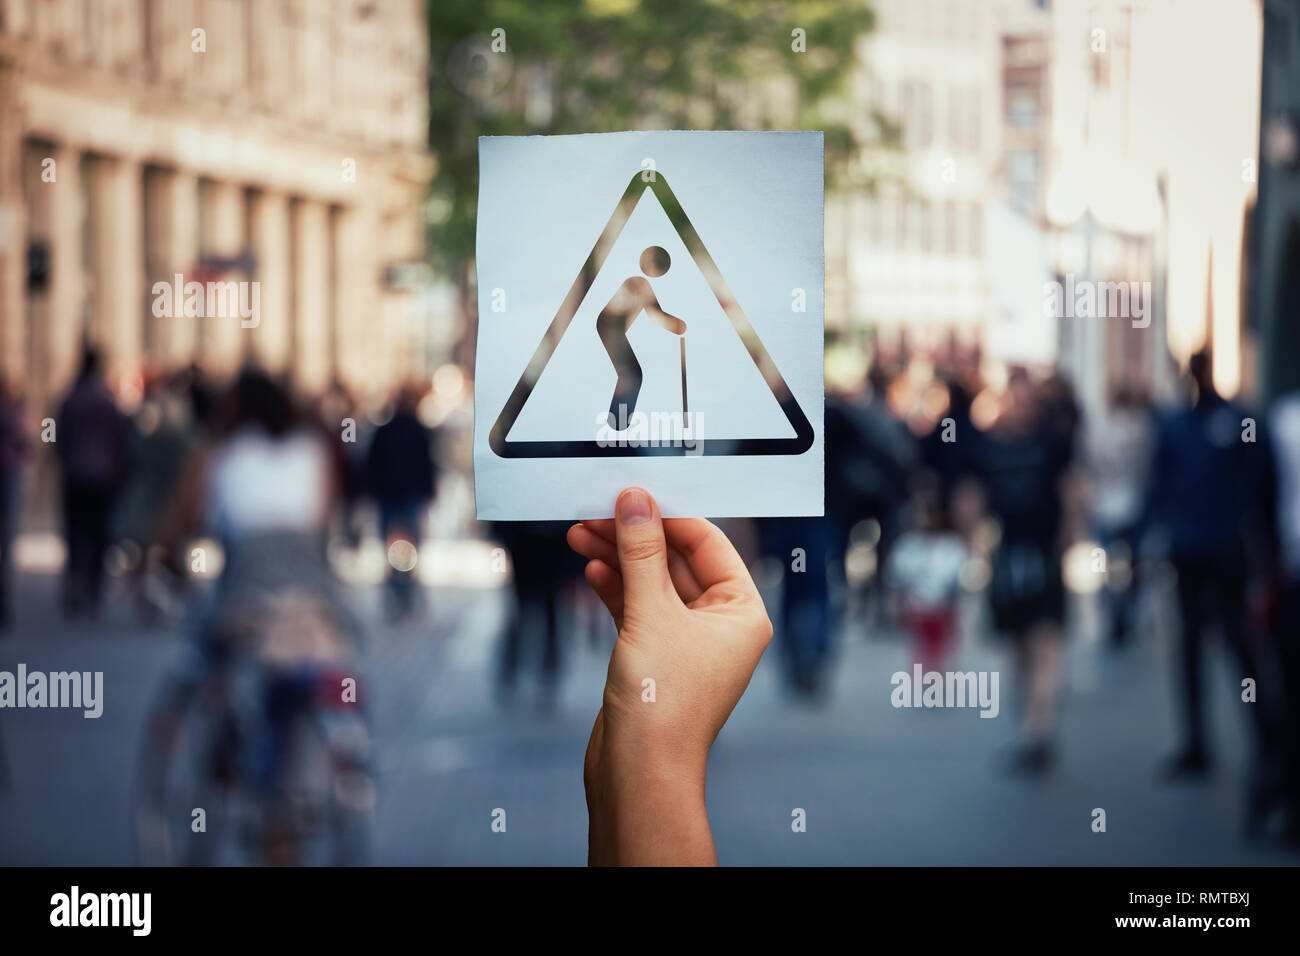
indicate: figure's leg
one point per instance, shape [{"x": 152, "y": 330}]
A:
[
  {"x": 511, "y": 650},
  {"x": 628, "y": 369},
  {"x": 74, "y": 535},
  {"x": 1191, "y": 600}
]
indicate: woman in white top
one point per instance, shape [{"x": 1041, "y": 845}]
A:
[{"x": 264, "y": 485}]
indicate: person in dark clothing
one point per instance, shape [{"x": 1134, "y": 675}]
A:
[
  {"x": 1284, "y": 440},
  {"x": 162, "y": 438},
  {"x": 542, "y": 566},
  {"x": 869, "y": 455},
  {"x": 92, "y": 442},
  {"x": 806, "y": 617},
  {"x": 1023, "y": 463},
  {"x": 13, "y": 452},
  {"x": 201, "y": 395},
  {"x": 337, "y": 409},
  {"x": 1206, "y": 484},
  {"x": 944, "y": 453},
  {"x": 402, "y": 476}
]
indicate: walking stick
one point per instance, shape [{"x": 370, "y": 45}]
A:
[{"x": 684, "y": 411}]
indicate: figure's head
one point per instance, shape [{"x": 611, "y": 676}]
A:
[
  {"x": 256, "y": 398},
  {"x": 655, "y": 261},
  {"x": 91, "y": 363},
  {"x": 1200, "y": 369}
]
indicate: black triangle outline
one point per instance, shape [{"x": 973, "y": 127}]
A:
[{"x": 803, "y": 430}]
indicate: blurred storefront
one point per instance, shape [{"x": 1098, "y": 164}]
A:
[{"x": 276, "y": 142}]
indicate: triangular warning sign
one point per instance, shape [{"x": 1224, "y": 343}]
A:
[{"x": 655, "y": 182}]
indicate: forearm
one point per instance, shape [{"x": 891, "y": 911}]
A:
[
  {"x": 669, "y": 322},
  {"x": 648, "y": 817},
  {"x": 647, "y": 756}
]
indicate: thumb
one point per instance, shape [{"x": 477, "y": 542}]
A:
[{"x": 642, "y": 551}]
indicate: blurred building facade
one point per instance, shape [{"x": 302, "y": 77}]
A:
[
  {"x": 1104, "y": 209},
  {"x": 1104, "y": 140},
  {"x": 1155, "y": 141},
  {"x": 910, "y": 257},
  {"x": 276, "y": 142},
  {"x": 1018, "y": 263}
]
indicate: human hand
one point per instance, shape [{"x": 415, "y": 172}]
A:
[{"x": 691, "y": 620}]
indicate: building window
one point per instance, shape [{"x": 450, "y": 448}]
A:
[
  {"x": 964, "y": 118},
  {"x": 950, "y": 237},
  {"x": 1022, "y": 108},
  {"x": 976, "y": 229},
  {"x": 1022, "y": 179},
  {"x": 889, "y": 228},
  {"x": 917, "y": 226},
  {"x": 874, "y": 208},
  {"x": 918, "y": 114}
]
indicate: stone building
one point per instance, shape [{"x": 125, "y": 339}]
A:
[
  {"x": 908, "y": 260},
  {"x": 274, "y": 148},
  {"x": 1154, "y": 174}
]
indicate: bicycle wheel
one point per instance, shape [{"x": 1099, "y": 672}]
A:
[{"x": 183, "y": 801}]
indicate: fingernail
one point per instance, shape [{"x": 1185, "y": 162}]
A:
[{"x": 633, "y": 506}]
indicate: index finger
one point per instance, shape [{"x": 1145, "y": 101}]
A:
[
  {"x": 603, "y": 527},
  {"x": 710, "y": 554}
]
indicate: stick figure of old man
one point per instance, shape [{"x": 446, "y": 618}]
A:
[{"x": 633, "y": 297}]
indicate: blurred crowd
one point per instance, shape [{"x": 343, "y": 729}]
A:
[
  {"x": 951, "y": 490},
  {"x": 962, "y": 498},
  {"x": 192, "y": 460}
]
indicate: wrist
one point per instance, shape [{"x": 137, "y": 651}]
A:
[{"x": 647, "y": 812}]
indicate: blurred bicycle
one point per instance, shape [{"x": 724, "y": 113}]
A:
[
  {"x": 268, "y": 743},
  {"x": 258, "y": 749}
]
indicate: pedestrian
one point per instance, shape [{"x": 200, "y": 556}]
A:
[
  {"x": 806, "y": 618},
  {"x": 402, "y": 476},
  {"x": 1119, "y": 446},
  {"x": 162, "y": 437},
  {"x": 924, "y": 577},
  {"x": 1284, "y": 435},
  {"x": 1023, "y": 463},
  {"x": 275, "y": 631},
  {"x": 13, "y": 454},
  {"x": 91, "y": 440},
  {"x": 340, "y": 414},
  {"x": 870, "y": 454},
  {"x": 1205, "y": 487},
  {"x": 541, "y": 569}
]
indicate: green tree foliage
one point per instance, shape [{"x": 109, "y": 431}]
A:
[{"x": 584, "y": 66}]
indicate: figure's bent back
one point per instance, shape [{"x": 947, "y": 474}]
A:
[{"x": 625, "y": 305}]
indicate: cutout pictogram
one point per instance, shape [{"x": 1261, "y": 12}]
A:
[{"x": 636, "y": 297}]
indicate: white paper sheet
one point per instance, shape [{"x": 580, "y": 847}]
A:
[{"x": 726, "y": 419}]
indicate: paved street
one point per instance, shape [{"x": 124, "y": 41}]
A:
[{"x": 879, "y": 785}]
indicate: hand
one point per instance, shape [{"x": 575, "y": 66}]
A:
[
  {"x": 691, "y": 620},
  {"x": 680, "y": 327}
]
